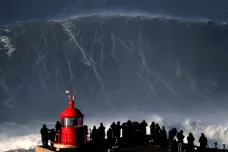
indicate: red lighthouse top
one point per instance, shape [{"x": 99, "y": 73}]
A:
[{"x": 71, "y": 111}]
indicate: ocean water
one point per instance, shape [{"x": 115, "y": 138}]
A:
[{"x": 122, "y": 66}]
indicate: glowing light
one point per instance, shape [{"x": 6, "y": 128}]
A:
[{"x": 67, "y": 91}]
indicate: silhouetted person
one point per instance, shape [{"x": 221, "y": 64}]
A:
[
  {"x": 180, "y": 138},
  {"x": 124, "y": 130},
  {"x": 170, "y": 139},
  {"x": 118, "y": 128},
  {"x": 94, "y": 134},
  {"x": 224, "y": 147},
  {"x": 44, "y": 135},
  {"x": 101, "y": 131},
  {"x": 152, "y": 132},
  {"x": 129, "y": 130},
  {"x": 58, "y": 127},
  {"x": 203, "y": 142},
  {"x": 157, "y": 134},
  {"x": 137, "y": 132},
  {"x": 52, "y": 137},
  {"x": 191, "y": 140},
  {"x": 143, "y": 126},
  {"x": 163, "y": 136},
  {"x": 109, "y": 134},
  {"x": 87, "y": 132},
  {"x": 113, "y": 126},
  {"x": 90, "y": 134},
  {"x": 134, "y": 126},
  {"x": 216, "y": 145},
  {"x": 129, "y": 133}
]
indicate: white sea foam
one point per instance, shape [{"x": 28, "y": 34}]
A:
[
  {"x": 140, "y": 14},
  {"x": 8, "y": 46}
]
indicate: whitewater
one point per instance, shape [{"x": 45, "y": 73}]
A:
[{"x": 25, "y": 135}]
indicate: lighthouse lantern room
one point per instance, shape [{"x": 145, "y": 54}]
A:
[{"x": 72, "y": 133}]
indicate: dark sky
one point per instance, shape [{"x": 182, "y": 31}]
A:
[{"x": 17, "y": 10}]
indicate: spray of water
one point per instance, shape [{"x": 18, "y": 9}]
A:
[{"x": 27, "y": 137}]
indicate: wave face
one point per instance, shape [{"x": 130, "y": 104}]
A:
[{"x": 172, "y": 67}]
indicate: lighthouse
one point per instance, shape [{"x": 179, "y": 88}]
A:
[{"x": 72, "y": 133}]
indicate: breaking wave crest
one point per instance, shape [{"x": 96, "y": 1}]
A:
[{"x": 27, "y": 137}]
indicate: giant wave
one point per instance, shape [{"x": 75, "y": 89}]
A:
[{"x": 127, "y": 64}]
